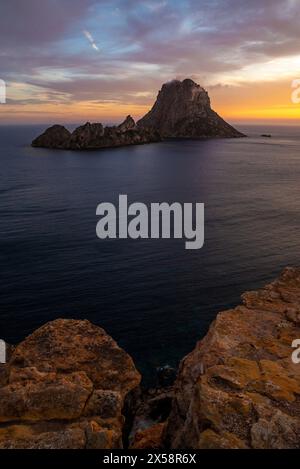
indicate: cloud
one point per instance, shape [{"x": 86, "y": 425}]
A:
[
  {"x": 34, "y": 23},
  {"x": 143, "y": 44}
]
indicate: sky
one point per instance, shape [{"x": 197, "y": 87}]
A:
[{"x": 65, "y": 61}]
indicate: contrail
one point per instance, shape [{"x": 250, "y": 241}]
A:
[{"x": 91, "y": 40}]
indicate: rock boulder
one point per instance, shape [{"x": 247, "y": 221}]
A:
[{"x": 64, "y": 387}]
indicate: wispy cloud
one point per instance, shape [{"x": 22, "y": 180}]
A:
[
  {"x": 143, "y": 44},
  {"x": 91, "y": 40},
  {"x": 156, "y": 5}
]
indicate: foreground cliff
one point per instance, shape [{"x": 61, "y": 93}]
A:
[
  {"x": 65, "y": 386},
  {"x": 182, "y": 110},
  {"x": 239, "y": 388}
]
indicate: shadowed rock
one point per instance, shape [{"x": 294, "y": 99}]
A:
[
  {"x": 56, "y": 136},
  {"x": 128, "y": 124},
  {"x": 183, "y": 110},
  {"x": 86, "y": 136},
  {"x": 95, "y": 136}
]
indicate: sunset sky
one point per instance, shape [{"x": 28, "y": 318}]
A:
[{"x": 77, "y": 60}]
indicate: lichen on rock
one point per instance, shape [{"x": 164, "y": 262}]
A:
[
  {"x": 67, "y": 384},
  {"x": 64, "y": 387}
]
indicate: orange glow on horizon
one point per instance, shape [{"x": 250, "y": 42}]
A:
[
  {"x": 253, "y": 102},
  {"x": 256, "y": 101}
]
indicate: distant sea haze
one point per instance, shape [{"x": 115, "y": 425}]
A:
[{"x": 155, "y": 298}]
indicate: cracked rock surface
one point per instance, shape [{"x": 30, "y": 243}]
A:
[{"x": 64, "y": 387}]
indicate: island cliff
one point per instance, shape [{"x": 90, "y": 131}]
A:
[
  {"x": 69, "y": 385},
  {"x": 182, "y": 110}
]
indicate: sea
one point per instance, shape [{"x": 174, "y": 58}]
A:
[{"x": 154, "y": 297}]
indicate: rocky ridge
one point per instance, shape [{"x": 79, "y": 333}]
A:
[{"x": 95, "y": 136}]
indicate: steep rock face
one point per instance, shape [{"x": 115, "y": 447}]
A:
[
  {"x": 239, "y": 387},
  {"x": 56, "y": 136},
  {"x": 64, "y": 387},
  {"x": 182, "y": 110},
  {"x": 95, "y": 136}
]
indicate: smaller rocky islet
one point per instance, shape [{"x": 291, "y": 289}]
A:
[{"x": 95, "y": 136}]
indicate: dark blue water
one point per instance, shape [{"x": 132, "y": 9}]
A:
[{"x": 153, "y": 296}]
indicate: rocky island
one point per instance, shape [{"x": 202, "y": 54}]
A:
[
  {"x": 182, "y": 110},
  {"x": 69, "y": 385}
]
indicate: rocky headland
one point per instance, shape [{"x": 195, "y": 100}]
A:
[
  {"x": 69, "y": 385},
  {"x": 182, "y": 110}
]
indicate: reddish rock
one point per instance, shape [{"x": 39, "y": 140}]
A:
[
  {"x": 239, "y": 387},
  {"x": 64, "y": 387},
  {"x": 150, "y": 438}
]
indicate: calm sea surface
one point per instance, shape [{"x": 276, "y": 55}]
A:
[{"x": 153, "y": 296}]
